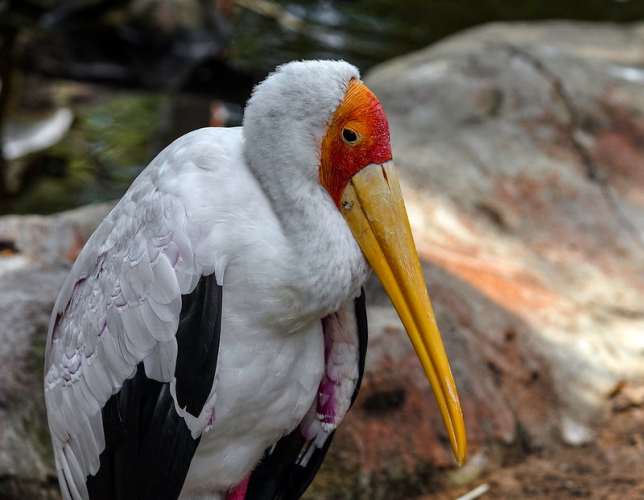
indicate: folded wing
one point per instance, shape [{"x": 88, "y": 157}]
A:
[{"x": 130, "y": 366}]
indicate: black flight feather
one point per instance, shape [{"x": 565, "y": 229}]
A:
[{"x": 148, "y": 445}]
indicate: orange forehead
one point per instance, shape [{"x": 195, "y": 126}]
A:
[
  {"x": 359, "y": 110},
  {"x": 361, "y": 113}
]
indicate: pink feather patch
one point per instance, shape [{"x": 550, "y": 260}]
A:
[{"x": 239, "y": 491}]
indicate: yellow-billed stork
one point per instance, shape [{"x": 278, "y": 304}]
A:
[{"x": 211, "y": 335}]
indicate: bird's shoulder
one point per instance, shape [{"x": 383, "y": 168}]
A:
[
  {"x": 157, "y": 216},
  {"x": 151, "y": 249}
]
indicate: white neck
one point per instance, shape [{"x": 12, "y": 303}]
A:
[
  {"x": 331, "y": 265},
  {"x": 284, "y": 123}
]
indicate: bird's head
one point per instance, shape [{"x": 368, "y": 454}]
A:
[
  {"x": 357, "y": 136},
  {"x": 333, "y": 121}
]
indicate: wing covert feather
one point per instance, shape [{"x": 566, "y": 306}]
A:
[{"x": 119, "y": 310}]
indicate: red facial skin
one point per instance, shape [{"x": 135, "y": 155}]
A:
[{"x": 362, "y": 113}]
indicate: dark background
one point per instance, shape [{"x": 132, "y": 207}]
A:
[{"x": 136, "y": 74}]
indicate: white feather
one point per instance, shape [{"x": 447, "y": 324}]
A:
[{"x": 160, "y": 364}]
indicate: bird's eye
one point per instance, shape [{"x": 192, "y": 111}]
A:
[{"x": 349, "y": 136}]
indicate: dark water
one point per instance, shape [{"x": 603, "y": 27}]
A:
[
  {"x": 366, "y": 32},
  {"x": 116, "y": 132}
]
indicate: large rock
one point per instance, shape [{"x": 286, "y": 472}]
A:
[
  {"x": 35, "y": 256},
  {"x": 521, "y": 153},
  {"x": 520, "y": 149}
]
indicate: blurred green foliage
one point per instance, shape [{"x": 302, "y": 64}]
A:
[{"x": 107, "y": 147}]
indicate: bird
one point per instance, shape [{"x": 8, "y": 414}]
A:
[{"x": 212, "y": 333}]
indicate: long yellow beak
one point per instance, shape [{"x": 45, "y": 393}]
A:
[{"x": 373, "y": 206}]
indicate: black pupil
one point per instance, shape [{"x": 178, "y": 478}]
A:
[{"x": 349, "y": 135}]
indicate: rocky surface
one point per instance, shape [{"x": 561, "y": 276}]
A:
[
  {"x": 35, "y": 256},
  {"x": 521, "y": 153}
]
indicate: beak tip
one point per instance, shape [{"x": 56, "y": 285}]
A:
[{"x": 459, "y": 443}]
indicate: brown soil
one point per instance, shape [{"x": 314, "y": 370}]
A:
[{"x": 611, "y": 467}]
